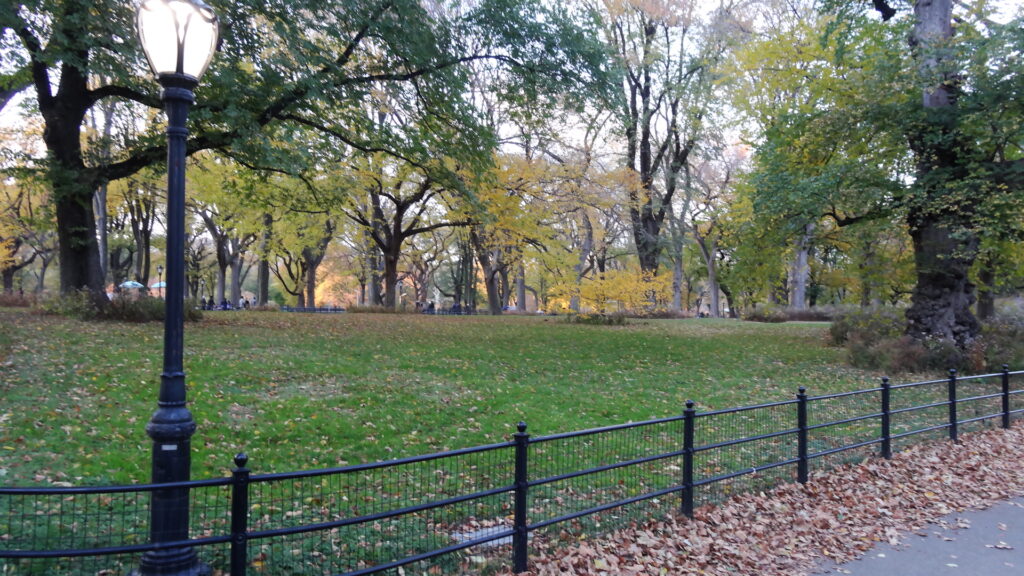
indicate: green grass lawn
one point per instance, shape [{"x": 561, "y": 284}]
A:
[{"x": 300, "y": 391}]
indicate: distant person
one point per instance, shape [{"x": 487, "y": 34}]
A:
[
  {"x": 430, "y": 307},
  {"x": 224, "y": 304},
  {"x": 456, "y": 308}
]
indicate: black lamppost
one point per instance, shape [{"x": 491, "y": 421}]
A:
[
  {"x": 179, "y": 38},
  {"x": 160, "y": 279}
]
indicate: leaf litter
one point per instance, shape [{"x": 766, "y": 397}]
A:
[{"x": 838, "y": 515}]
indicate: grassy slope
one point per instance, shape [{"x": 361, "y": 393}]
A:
[{"x": 301, "y": 391}]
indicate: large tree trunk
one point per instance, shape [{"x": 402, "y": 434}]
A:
[
  {"x": 490, "y": 265},
  {"x": 709, "y": 250},
  {"x": 800, "y": 270},
  {"x": 987, "y": 292},
  {"x": 521, "y": 288},
  {"x": 263, "y": 271},
  {"x": 73, "y": 188},
  {"x": 944, "y": 245},
  {"x": 583, "y": 266},
  {"x": 944, "y": 294},
  {"x": 391, "y": 279}
]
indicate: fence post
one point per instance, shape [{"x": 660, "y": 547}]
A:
[
  {"x": 519, "y": 536},
  {"x": 689, "y": 417},
  {"x": 801, "y": 424},
  {"x": 1006, "y": 396},
  {"x": 952, "y": 405},
  {"x": 886, "y": 414},
  {"x": 239, "y": 515}
]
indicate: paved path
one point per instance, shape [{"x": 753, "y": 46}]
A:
[{"x": 977, "y": 543}]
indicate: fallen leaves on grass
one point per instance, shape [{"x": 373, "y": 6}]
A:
[{"x": 837, "y": 515}]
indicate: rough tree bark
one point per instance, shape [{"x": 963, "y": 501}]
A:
[{"x": 944, "y": 247}]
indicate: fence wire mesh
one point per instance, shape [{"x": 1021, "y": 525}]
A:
[
  {"x": 653, "y": 451},
  {"x": 768, "y": 435},
  {"x": 840, "y": 421},
  {"x": 356, "y": 507}
]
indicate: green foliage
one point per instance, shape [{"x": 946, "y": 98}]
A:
[
  {"x": 874, "y": 340},
  {"x": 597, "y": 319},
  {"x": 78, "y": 305},
  {"x": 768, "y": 313},
  {"x": 867, "y": 324},
  {"x": 814, "y": 314},
  {"x": 1002, "y": 340},
  {"x": 906, "y": 354}
]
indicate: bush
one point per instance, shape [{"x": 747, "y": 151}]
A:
[
  {"x": 767, "y": 313},
  {"x": 597, "y": 319},
  {"x": 661, "y": 314},
  {"x": 74, "y": 305},
  {"x": 815, "y": 314},
  {"x": 79, "y": 305},
  {"x": 870, "y": 324},
  {"x": 1002, "y": 341},
  {"x": 11, "y": 300}
]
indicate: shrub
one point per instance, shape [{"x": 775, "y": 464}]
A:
[
  {"x": 905, "y": 354},
  {"x": 872, "y": 324},
  {"x": 815, "y": 314},
  {"x": 74, "y": 305},
  {"x": 767, "y": 313},
  {"x": 660, "y": 314},
  {"x": 597, "y": 319},
  {"x": 122, "y": 309},
  {"x": 12, "y": 300},
  {"x": 1002, "y": 341}
]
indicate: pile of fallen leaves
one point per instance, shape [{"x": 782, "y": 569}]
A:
[{"x": 837, "y": 515}]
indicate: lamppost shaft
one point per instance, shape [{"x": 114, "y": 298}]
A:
[{"x": 172, "y": 426}]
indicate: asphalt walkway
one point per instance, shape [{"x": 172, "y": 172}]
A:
[{"x": 972, "y": 543}]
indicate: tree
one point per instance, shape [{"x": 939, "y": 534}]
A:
[
  {"x": 283, "y": 65},
  {"x": 666, "y": 61},
  {"x": 399, "y": 203}
]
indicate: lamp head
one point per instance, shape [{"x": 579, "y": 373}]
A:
[{"x": 179, "y": 37}]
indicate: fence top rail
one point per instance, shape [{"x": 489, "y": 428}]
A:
[
  {"x": 613, "y": 428},
  {"x": 381, "y": 464},
  {"x": 843, "y": 394},
  {"x": 916, "y": 384},
  {"x": 747, "y": 408},
  {"x": 990, "y": 376},
  {"x": 122, "y": 489}
]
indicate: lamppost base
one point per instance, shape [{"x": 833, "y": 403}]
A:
[{"x": 174, "y": 562}]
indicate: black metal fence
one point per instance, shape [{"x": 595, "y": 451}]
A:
[{"x": 468, "y": 511}]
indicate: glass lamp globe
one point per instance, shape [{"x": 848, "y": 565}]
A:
[{"x": 178, "y": 36}]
